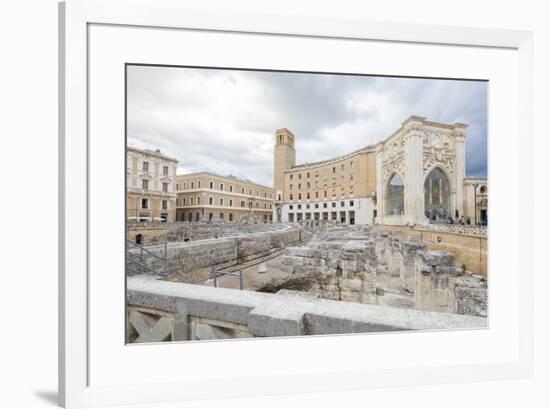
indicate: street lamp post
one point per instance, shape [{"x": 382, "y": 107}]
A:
[{"x": 475, "y": 185}]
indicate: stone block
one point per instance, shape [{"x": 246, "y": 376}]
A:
[
  {"x": 276, "y": 319},
  {"x": 353, "y": 284}
]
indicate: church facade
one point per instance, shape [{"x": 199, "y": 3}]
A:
[{"x": 414, "y": 176}]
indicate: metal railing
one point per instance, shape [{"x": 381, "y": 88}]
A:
[
  {"x": 138, "y": 260},
  {"x": 215, "y": 273}
]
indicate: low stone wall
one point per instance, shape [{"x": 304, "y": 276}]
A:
[
  {"x": 186, "y": 257},
  {"x": 153, "y": 233},
  {"x": 165, "y": 311}
]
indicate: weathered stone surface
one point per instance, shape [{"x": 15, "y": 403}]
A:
[{"x": 277, "y": 315}]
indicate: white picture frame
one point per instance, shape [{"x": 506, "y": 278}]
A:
[{"x": 75, "y": 19}]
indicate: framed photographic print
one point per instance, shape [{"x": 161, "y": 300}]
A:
[{"x": 246, "y": 195}]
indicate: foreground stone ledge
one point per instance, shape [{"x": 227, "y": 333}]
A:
[{"x": 266, "y": 315}]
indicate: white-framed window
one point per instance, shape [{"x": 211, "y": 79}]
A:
[
  {"x": 210, "y": 201},
  {"x": 145, "y": 203},
  {"x": 145, "y": 184},
  {"x": 165, "y": 171},
  {"x": 165, "y": 205},
  {"x": 145, "y": 166}
]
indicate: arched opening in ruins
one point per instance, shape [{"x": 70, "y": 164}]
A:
[
  {"x": 437, "y": 195},
  {"x": 395, "y": 202}
]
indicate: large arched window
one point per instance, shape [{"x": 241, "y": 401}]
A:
[
  {"x": 394, "y": 197},
  {"x": 437, "y": 195}
]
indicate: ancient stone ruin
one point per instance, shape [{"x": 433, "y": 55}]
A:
[
  {"x": 367, "y": 266},
  {"x": 324, "y": 280}
]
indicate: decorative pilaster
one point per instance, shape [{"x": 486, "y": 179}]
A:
[{"x": 414, "y": 175}]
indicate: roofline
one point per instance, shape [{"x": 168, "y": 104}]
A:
[
  {"x": 150, "y": 152},
  {"x": 364, "y": 149},
  {"x": 228, "y": 178}
]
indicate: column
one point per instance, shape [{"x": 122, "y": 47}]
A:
[
  {"x": 414, "y": 175},
  {"x": 460, "y": 167}
]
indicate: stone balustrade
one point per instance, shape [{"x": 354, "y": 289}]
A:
[
  {"x": 167, "y": 311},
  {"x": 464, "y": 229}
]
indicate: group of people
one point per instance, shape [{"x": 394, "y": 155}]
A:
[
  {"x": 439, "y": 215},
  {"x": 450, "y": 220}
]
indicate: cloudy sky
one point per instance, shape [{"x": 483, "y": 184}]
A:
[{"x": 224, "y": 121}]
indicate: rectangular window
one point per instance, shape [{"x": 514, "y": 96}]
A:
[
  {"x": 291, "y": 177},
  {"x": 145, "y": 184},
  {"x": 165, "y": 205},
  {"x": 230, "y": 188},
  {"x": 210, "y": 201},
  {"x": 221, "y": 201},
  {"x": 198, "y": 200},
  {"x": 146, "y": 166},
  {"x": 191, "y": 201},
  {"x": 144, "y": 203},
  {"x": 291, "y": 197},
  {"x": 199, "y": 184},
  {"x": 351, "y": 203},
  {"x": 230, "y": 202},
  {"x": 211, "y": 185},
  {"x": 184, "y": 201},
  {"x": 165, "y": 187},
  {"x": 165, "y": 171},
  {"x": 221, "y": 186},
  {"x": 290, "y": 207}
]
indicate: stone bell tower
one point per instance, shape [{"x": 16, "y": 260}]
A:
[{"x": 284, "y": 158}]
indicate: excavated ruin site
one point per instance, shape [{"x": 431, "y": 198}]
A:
[{"x": 215, "y": 281}]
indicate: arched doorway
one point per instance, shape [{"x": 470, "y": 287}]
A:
[
  {"x": 395, "y": 203},
  {"x": 437, "y": 195}
]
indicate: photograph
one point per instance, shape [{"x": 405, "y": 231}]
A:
[{"x": 265, "y": 203}]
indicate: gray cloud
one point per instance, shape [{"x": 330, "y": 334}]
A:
[{"x": 224, "y": 120}]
